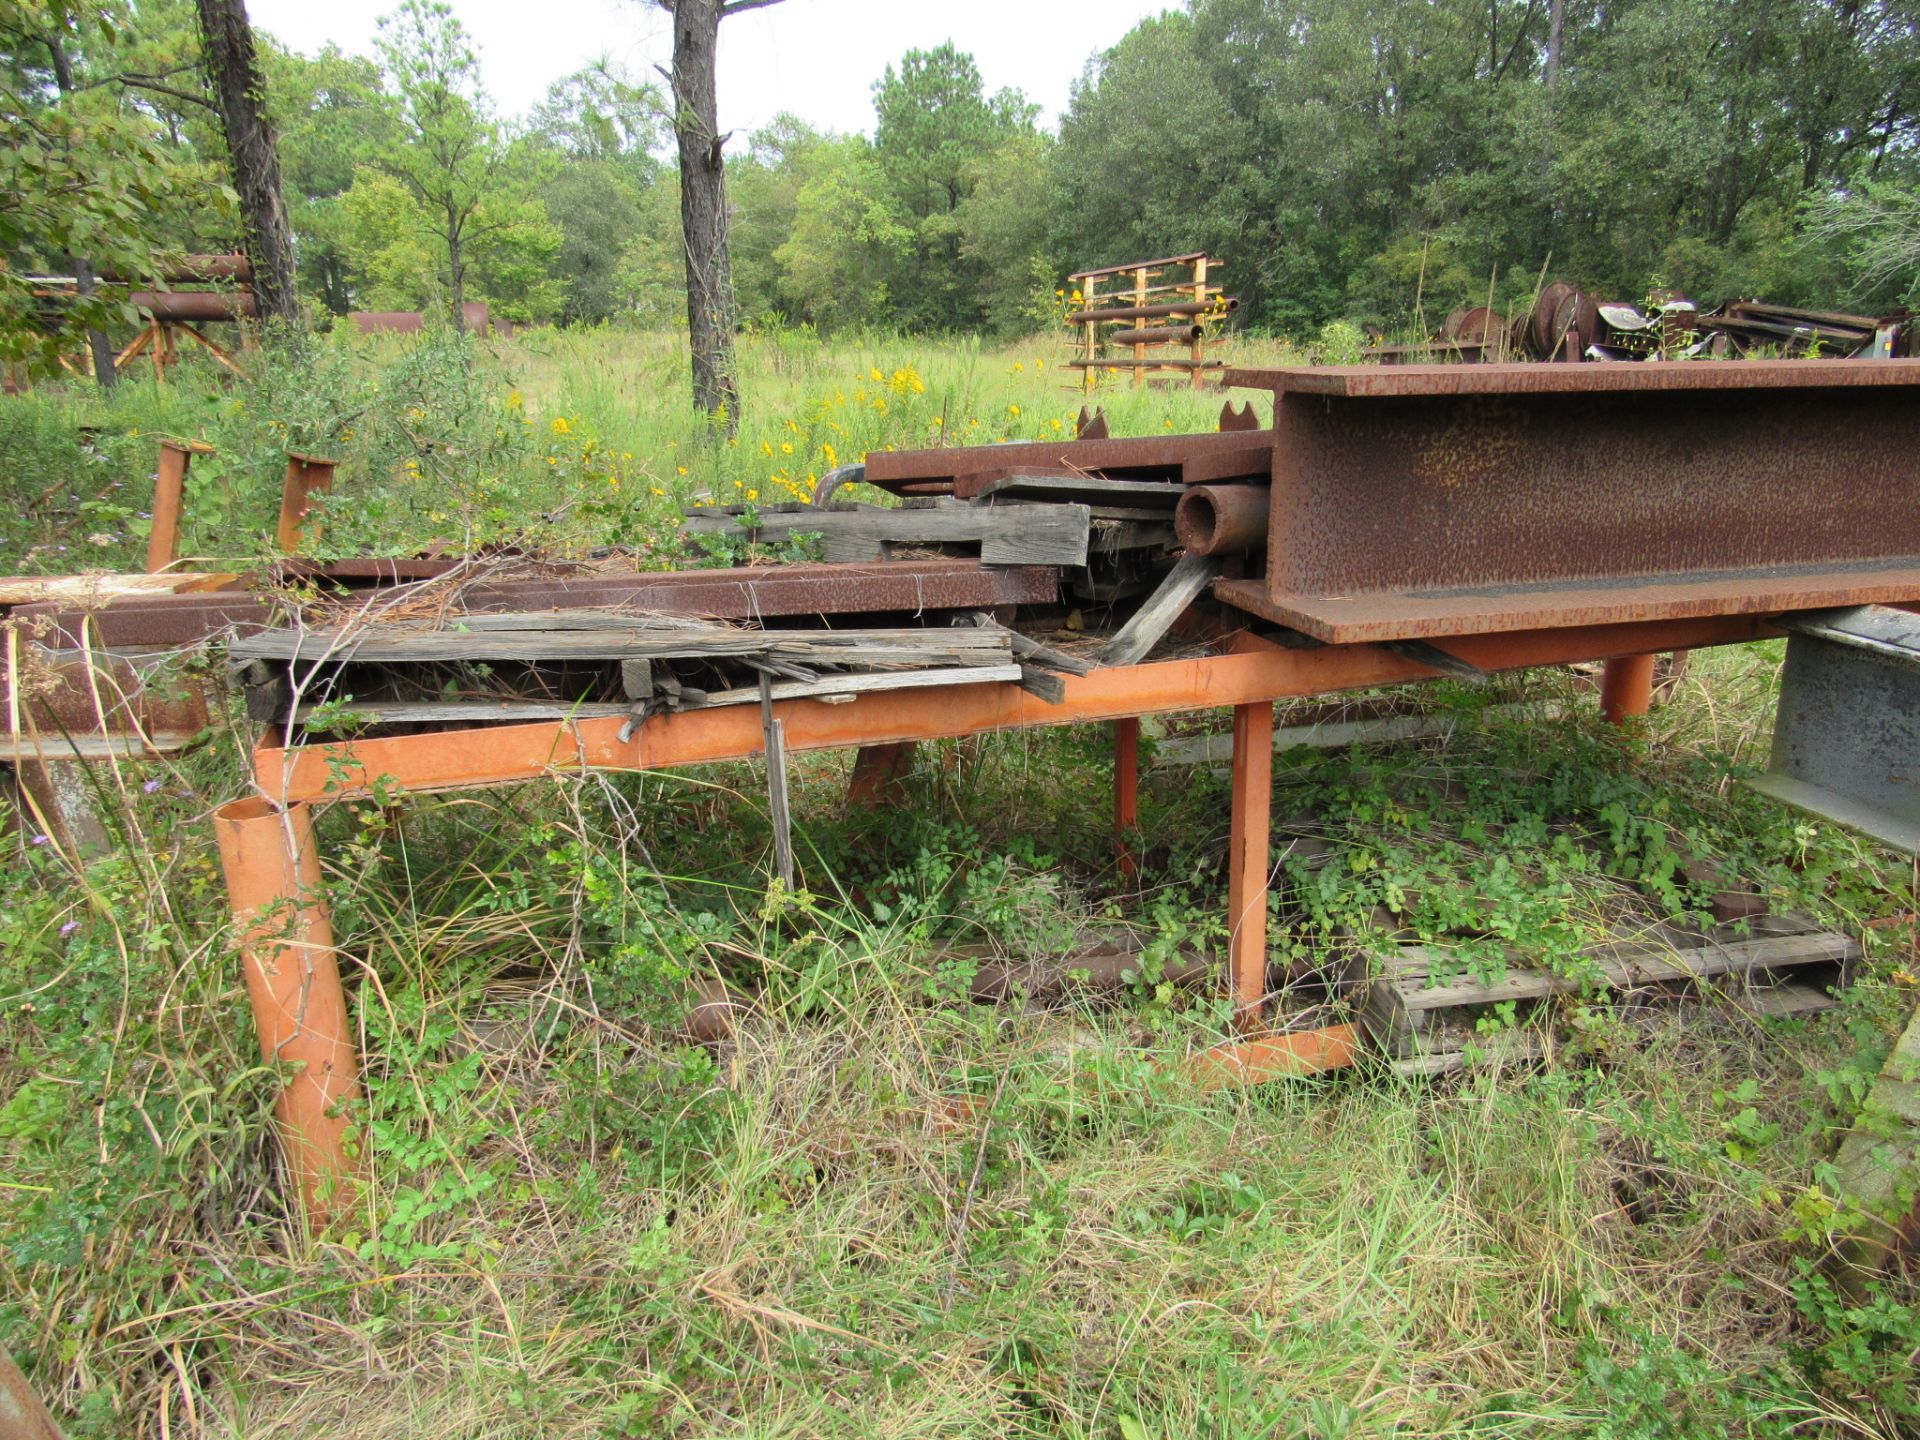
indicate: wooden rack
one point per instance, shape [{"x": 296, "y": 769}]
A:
[{"x": 1145, "y": 316}]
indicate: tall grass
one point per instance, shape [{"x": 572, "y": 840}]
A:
[{"x": 878, "y": 1211}]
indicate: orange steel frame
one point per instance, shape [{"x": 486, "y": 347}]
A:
[{"x": 263, "y": 843}]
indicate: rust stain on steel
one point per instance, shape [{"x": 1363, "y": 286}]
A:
[
  {"x": 1443, "y": 500},
  {"x": 751, "y": 592},
  {"x": 147, "y": 701},
  {"x": 502, "y": 754}
]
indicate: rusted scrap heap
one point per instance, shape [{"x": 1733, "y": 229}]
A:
[{"x": 1566, "y": 324}]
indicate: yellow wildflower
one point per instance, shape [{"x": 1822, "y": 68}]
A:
[{"x": 560, "y": 425}]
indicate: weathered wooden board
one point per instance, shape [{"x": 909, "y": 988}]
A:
[
  {"x": 1397, "y": 1006},
  {"x": 1023, "y": 534},
  {"x": 602, "y": 635},
  {"x": 1185, "y": 583}
]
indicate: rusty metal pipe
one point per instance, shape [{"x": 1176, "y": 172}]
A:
[
  {"x": 194, "y": 304},
  {"x": 1154, "y": 312},
  {"x": 1158, "y": 335},
  {"x": 1222, "y": 519},
  {"x": 293, "y": 979}
]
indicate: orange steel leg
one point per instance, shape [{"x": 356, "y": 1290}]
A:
[
  {"x": 1248, "y": 858},
  {"x": 1126, "y": 791},
  {"x": 293, "y": 980},
  {"x": 879, "y": 774},
  {"x": 169, "y": 487},
  {"x": 1626, "y": 687},
  {"x": 307, "y": 476}
]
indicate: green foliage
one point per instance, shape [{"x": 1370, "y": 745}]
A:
[
  {"x": 89, "y": 171},
  {"x": 466, "y": 184},
  {"x": 936, "y": 131}
]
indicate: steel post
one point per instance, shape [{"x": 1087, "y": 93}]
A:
[
  {"x": 169, "y": 488},
  {"x": 1626, "y": 687},
  {"x": 307, "y": 476},
  {"x": 1248, "y": 858},
  {"x": 1126, "y": 792},
  {"x": 879, "y": 775},
  {"x": 293, "y": 979}
]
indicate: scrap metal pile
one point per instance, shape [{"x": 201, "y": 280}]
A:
[{"x": 1564, "y": 323}]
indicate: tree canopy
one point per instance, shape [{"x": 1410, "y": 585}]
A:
[{"x": 1347, "y": 159}]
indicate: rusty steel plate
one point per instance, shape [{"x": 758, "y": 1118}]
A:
[
  {"x": 1134, "y": 457},
  {"x": 746, "y": 593},
  {"x": 1431, "y": 614},
  {"x": 91, "y": 706}
]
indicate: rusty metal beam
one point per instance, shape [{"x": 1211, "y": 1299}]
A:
[
  {"x": 1425, "y": 501},
  {"x": 507, "y": 753},
  {"x": 747, "y": 593}
]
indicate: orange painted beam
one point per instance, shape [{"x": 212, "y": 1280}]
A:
[{"x": 450, "y": 760}]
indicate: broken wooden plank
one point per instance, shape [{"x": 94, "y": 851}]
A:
[
  {"x": 1043, "y": 684},
  {"x": 832, "y": 687},
  {"x": 1025, "y": 647},
  {"x": 1184, "y": 584},
  {"x": 1037, "y": 534}
]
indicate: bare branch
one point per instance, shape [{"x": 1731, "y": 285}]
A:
[{"x": 735, "y": 7}]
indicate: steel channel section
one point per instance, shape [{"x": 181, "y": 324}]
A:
[{"x": 1436, "y": 500}]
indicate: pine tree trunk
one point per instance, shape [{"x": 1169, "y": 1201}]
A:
[
  {"x": 703, "y": 208},
  {"x": 239, "y": 93}
]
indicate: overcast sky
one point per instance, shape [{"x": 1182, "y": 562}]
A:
[{"x": 816, "y": 58}]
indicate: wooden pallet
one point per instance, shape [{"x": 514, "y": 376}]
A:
[{"x": 1774, "y": 965}]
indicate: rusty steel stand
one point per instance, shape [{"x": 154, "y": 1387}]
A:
[
  {"x": 273, "y": 877},
  {"x": 1126, "y": 792},
  {"x": 1249, "y": 859},
  {"x": 1626, "y": 687}
]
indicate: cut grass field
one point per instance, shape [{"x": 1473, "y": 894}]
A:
[{"x": 880, "y": 1210}]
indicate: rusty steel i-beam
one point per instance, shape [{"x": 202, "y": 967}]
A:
[{"x": 1424, "y": 501}]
